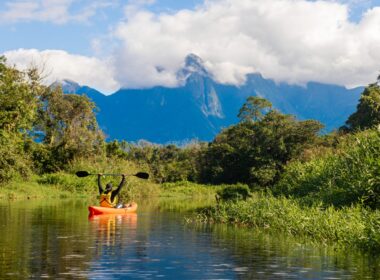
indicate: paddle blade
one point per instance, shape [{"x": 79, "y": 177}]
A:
[
  {"x": 142, "y": 175},
  {"x": 82, "y": 174}
]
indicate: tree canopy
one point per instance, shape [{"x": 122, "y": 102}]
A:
[
  {"x": 367, "y": 114},
  {"x": 255, "y": 152},
  {"x": 254, "y": 108},
  {"x": 28, "y": 108},
  {"x": 69, "y": 125}
]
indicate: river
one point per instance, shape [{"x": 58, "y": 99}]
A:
[{"x": 57, "y": 240}]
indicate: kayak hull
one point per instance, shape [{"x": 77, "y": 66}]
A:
[{"x": 98, "y": 210}]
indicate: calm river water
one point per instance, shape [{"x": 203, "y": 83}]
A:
[{"x": 57, "y": 240}]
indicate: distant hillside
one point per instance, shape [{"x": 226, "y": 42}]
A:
[{"x": 201, "y": 107}]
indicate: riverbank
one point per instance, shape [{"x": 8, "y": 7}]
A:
[
  {"x": 18, "y": 190},
  {"x": 63, "y": 185},
  {"x": 348, "y": 226}
]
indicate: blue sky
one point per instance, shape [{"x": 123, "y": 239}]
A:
[
  {"x": 75, "y": 36},
  {"x": 109, "y": 44}
]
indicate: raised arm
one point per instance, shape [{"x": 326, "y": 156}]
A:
[
  {"x": 116, "y": 192},
  {"x": 100, "y": 183}
]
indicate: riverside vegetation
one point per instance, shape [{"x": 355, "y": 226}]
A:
[{"x": 272, "y": 171}]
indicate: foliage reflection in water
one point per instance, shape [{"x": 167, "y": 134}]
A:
[{"x": 58, "y": 240}]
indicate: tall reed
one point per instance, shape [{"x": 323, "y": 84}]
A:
[
  {"x": 352, "y": 226},
  {"x": 348, "y": 175}
]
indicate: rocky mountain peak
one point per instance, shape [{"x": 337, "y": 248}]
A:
[
  {"x": 193, "y": 65},
  {"x": 68, "y": 86}
]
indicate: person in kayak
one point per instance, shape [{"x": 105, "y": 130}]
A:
[{"x": 108, "y": 197}]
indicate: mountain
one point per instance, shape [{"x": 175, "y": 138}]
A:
[{"x": 200, "y": 107}]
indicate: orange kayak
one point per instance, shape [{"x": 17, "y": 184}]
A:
[{"x": 98, "y": 210}]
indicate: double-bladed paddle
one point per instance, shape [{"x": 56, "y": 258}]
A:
[{"x": 141, "y": 175}]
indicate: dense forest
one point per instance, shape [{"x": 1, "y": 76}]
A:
[{"x": 45, "y": 131}]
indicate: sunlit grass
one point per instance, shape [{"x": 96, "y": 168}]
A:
[
  {"x": 33, "y": 190},
  {"x": 188, "y": 189},
  {"x": 352, "y": 226},
  {"x": 349, "y": 174}
]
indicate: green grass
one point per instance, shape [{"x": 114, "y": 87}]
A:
[
  {"x": 349, "y": 174},
  {"x": 33, "y": 190},
  {"x": 188, "y": 189},
  {"x": 348, "y": 226},
  {"x": 59, "y": 185}
]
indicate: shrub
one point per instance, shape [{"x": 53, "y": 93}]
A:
[
  {"x": 188, "y": 189},
  {"x": 349, "y": 226},
  {"x": 234, "y": 193},
  {"x": 348, "y": 176},
  {"x": 68, "y": 182},
  {"x": 14, "y": 162}
]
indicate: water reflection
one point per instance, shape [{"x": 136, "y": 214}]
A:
[
  {"x": 110, "y": 227},
  {"x": 157, "y": 246},
  {"x": 39, "y": 239},
  {"x": 57, "y": 240},
  {"x": 259, "y": 255}
]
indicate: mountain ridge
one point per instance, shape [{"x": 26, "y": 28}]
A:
[{"x": 200, "y": 107}]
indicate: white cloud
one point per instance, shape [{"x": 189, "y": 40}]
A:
[
  {"x": 55, "y": 11},
  {"x": 57, "y": 65},
  {"x": 294, "y": 41},
  {"x": 288, "y": 40},
  {"x": 356, "y": 3}
]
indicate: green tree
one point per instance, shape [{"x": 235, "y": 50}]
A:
[
  {"x": 367, "y": 113},
  {"x": 254, "y": 108},
  {"x": 69, "y": 126},
  {"x": 19, "y": 93},
  {"x": 117, "y": 149},
  {"x": 280, "y": 138},
  {"x": 168, "y": 163},
  {"x": 255, "y": 152},
  {"x": 19, "y": 100}
]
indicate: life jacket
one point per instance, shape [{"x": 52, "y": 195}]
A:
[{"x": 105, "y": 200}]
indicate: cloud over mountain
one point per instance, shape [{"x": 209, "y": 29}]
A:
[
  {"x": 57, "y": 65},
  {"x": 287, "y": 40},
  {"x": 294, "y": 41}
]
